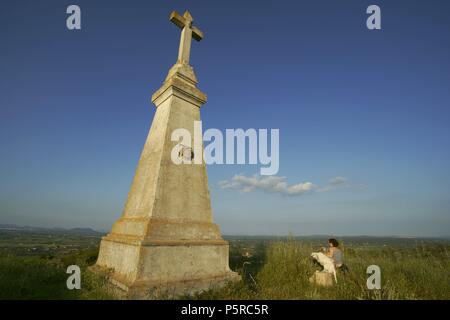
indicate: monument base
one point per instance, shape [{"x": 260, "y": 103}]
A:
[{"x": 159, "y": 269}]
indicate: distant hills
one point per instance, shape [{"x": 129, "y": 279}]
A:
[
  {"x": 316, "y": 237},
  {"x": 75, "y": 231},
  {"x": 361, "y": 239}
]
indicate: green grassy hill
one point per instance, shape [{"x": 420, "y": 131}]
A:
[{"x": 33, "y": 266}]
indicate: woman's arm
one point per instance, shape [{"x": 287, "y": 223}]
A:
[{"x": 329, "y": 253}]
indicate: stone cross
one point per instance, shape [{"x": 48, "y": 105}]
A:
[
  {"x": 165, "y": 243},
  {"x": 188, "y": 32}
]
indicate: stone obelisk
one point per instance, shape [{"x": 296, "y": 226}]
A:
[{"x": 165, "y": 241}]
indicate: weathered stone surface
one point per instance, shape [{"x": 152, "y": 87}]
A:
[
  {"x": 166, "y": 243},
  {"x": 323, "y": 279}
]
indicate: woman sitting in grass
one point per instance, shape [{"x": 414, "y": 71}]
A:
[
  {"x": 331, "y": 258},
  {"x": 334, "y": 252}
]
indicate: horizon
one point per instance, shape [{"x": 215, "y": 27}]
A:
[{"x": 444, "y": 237}]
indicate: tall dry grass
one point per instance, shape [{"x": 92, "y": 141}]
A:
[
  {"x": 279, "y": 270},
  {"x": 410, "y": 272}
]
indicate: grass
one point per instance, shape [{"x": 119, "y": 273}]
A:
[
  {"x": 413, "y": 272},
  {"x": 45, "y": 277},
  {"x": 274, "y": 270}
]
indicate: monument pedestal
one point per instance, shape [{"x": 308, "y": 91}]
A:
[
  {"x": 160, "y": 269},
  {"x": 165, "y": 243}
]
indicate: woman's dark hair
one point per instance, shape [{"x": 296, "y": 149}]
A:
[{"x": 334, "y": 242}]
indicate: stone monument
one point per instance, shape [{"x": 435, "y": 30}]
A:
[{"x": 165, "y": 242}]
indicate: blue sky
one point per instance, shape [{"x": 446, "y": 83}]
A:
[{"x": 370, "y": 106}]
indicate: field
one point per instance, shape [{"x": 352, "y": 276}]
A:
[{"x": 33, "y": 266}]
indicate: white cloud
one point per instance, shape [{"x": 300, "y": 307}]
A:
[
  {"x": 334, "y": 183},
  {"x": 278, "y": 184}
]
